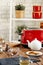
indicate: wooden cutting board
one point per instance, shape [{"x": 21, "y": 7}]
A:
[{"x": 13, "y": 44}]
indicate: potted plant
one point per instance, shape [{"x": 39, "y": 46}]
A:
[
  {"x": 19, "y": 30},
  {"x": 19, "y": 11}
]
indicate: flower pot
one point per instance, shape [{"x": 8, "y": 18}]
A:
[
  {"x": 19, "y": 13},
  {"x": 36, "y": 8},
  {"x": 37, "y": 15}
]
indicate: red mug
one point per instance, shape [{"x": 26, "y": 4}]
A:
[
  {"x": 37, "y": 15},
  {"x": 36, "y": 8}
]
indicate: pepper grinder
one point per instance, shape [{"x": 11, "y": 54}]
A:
[{"x": 7, "y": 47}]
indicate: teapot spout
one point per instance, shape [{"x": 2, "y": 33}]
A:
[
  {"x": 28, "y": 41},
  {"x": 29, "y": 44}
]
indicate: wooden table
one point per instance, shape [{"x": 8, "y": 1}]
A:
[{"x": 21, "y": 51}]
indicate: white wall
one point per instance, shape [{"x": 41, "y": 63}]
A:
[{"x": 4, "y": 19}]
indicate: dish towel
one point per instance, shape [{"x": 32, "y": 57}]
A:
[{"x": 9, "y": 61}]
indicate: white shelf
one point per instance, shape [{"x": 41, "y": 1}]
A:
[
  {"x": 18, "y": 19},
  {"x": 27, "y": 19}
]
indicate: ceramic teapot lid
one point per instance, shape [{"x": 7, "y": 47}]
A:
[{"x": 35, "y": 41}]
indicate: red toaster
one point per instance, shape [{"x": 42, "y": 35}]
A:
[{"x": 31, "y": 35}]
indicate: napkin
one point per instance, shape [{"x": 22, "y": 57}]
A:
[{"x": 9, "y": 61}]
